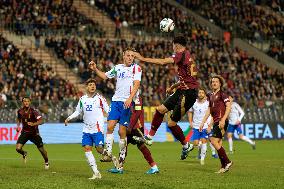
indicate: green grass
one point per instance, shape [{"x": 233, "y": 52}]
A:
[{"x": 263, "y": 168}]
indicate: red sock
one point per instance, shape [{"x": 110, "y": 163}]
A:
[
  {"x": 223, "y": 157},
  {"x": 178, "y": 134},
  {"x": 147, "y": 155},
  {"x": 156, "y": 122}
]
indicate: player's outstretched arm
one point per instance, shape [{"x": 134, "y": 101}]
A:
[
  {"x": 75, "y": 114},
  {"x": 93, "y": 67},
  {"x": 160, "y": 61}
]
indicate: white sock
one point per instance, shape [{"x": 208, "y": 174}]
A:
[
  {"x": 203, "y": 151},
  {"x": 92, "y": 161},
  {"x": 247, "y": 140},
  {"x": 199, "y": 149},
  {"x": 122, "y": 150},
  {"x": 149, "y": 136},
  {"x": 212, "y": 149},
  {"x": 109, "y": 142},
  {"x": 230, "y": 140}
]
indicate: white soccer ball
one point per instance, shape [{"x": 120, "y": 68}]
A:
[{"x": 167, "y": 25}]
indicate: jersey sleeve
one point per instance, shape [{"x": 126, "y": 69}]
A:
[
  {"x": 104, "y": 104},
  {"x": 111, "y": 73},
  {"x": 191, "y": 109},
  {"x": 137, "y": 73},
  {"x": 225, "y": 98},
  {"x": 177, "y": 57},
  {"x": 78, "y": 110}
]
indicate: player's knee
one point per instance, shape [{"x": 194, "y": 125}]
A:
[
  {"x": 172, "y": 123},
  {"x": 162, "y": 109},
  {"x": 40, "y": 146},
  {"x": 140, "y": 145},
  {"x": 100, "y": 149},
  {"x": 87, "y": 148}
]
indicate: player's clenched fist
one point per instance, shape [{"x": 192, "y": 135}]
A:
[{"x": 92, "y": 65}]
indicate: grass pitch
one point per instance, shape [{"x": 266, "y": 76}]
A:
[{"x": 262, "y": 168}]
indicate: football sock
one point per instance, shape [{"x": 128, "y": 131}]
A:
[
  {"x": 203, "y": 151},
  {"x": 21, "y": 151},
  {"x": 109, "y": 142},
  {"x": 247, "y": 140},
  {"x": 156, "y": 122},
  {"x": 92, "y": 161},
  {"x": 223, "y": 157},
  {"x": 230, "y": 140},
  {"x": 178, "y": 134},
  {"x": 122, "y": 150},
  {"x": 147, "y": 155}
]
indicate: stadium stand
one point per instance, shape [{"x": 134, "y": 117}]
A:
[
  {"x": 256, "y": 87},
  {"x": 50, "y": 17}
]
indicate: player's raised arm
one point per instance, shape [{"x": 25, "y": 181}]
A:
[
  {"x": 93, "y": 67},
  {"x": 161, "y": 61},
  {"x": 75, "y": 114}
]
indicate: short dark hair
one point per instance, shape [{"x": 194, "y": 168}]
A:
[
  {"x": 26, "y": 97},
  {"x": 202, "y": 89},
  {"x": 221, "y": 79},
  {"x": 90, "y": 80},
  {"x": 180, "y": 40}
]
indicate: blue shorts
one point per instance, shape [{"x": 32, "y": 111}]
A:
[
  {"x": 199, "y": 135},
  {"x": 88, "y": 139},
  {"x": 117, "y": 112},
  {"x": 232, "y": 128}
]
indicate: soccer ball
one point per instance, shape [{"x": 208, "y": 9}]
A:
[{"x": 167, "y": 25}]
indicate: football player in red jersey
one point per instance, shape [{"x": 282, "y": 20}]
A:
[
  {"x": 30, "y": 120},
  {"x": 182, "y": 99},
  {"x": 219, "y": 108}
]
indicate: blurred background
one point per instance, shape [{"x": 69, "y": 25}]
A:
[{"x": 46, "y": 45}]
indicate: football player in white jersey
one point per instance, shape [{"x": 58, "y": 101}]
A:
[
  {"x": 128, "y": 77},
  {"x": 235, "y": 117},
  {"x": 93, "y": 107},
  {"x": 195, "y": 116}
]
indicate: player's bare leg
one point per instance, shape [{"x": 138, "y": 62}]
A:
[
  {"x": 246, "y": 139},
  {"x": 19, "y": 149},
  {"x": 156, "y": 123},
  {"x": 92, "y": 161},
  {"x": 225, "y": 162},
  {"x": 178, "y": 134},
  {"x": 45, "y": 157}
]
